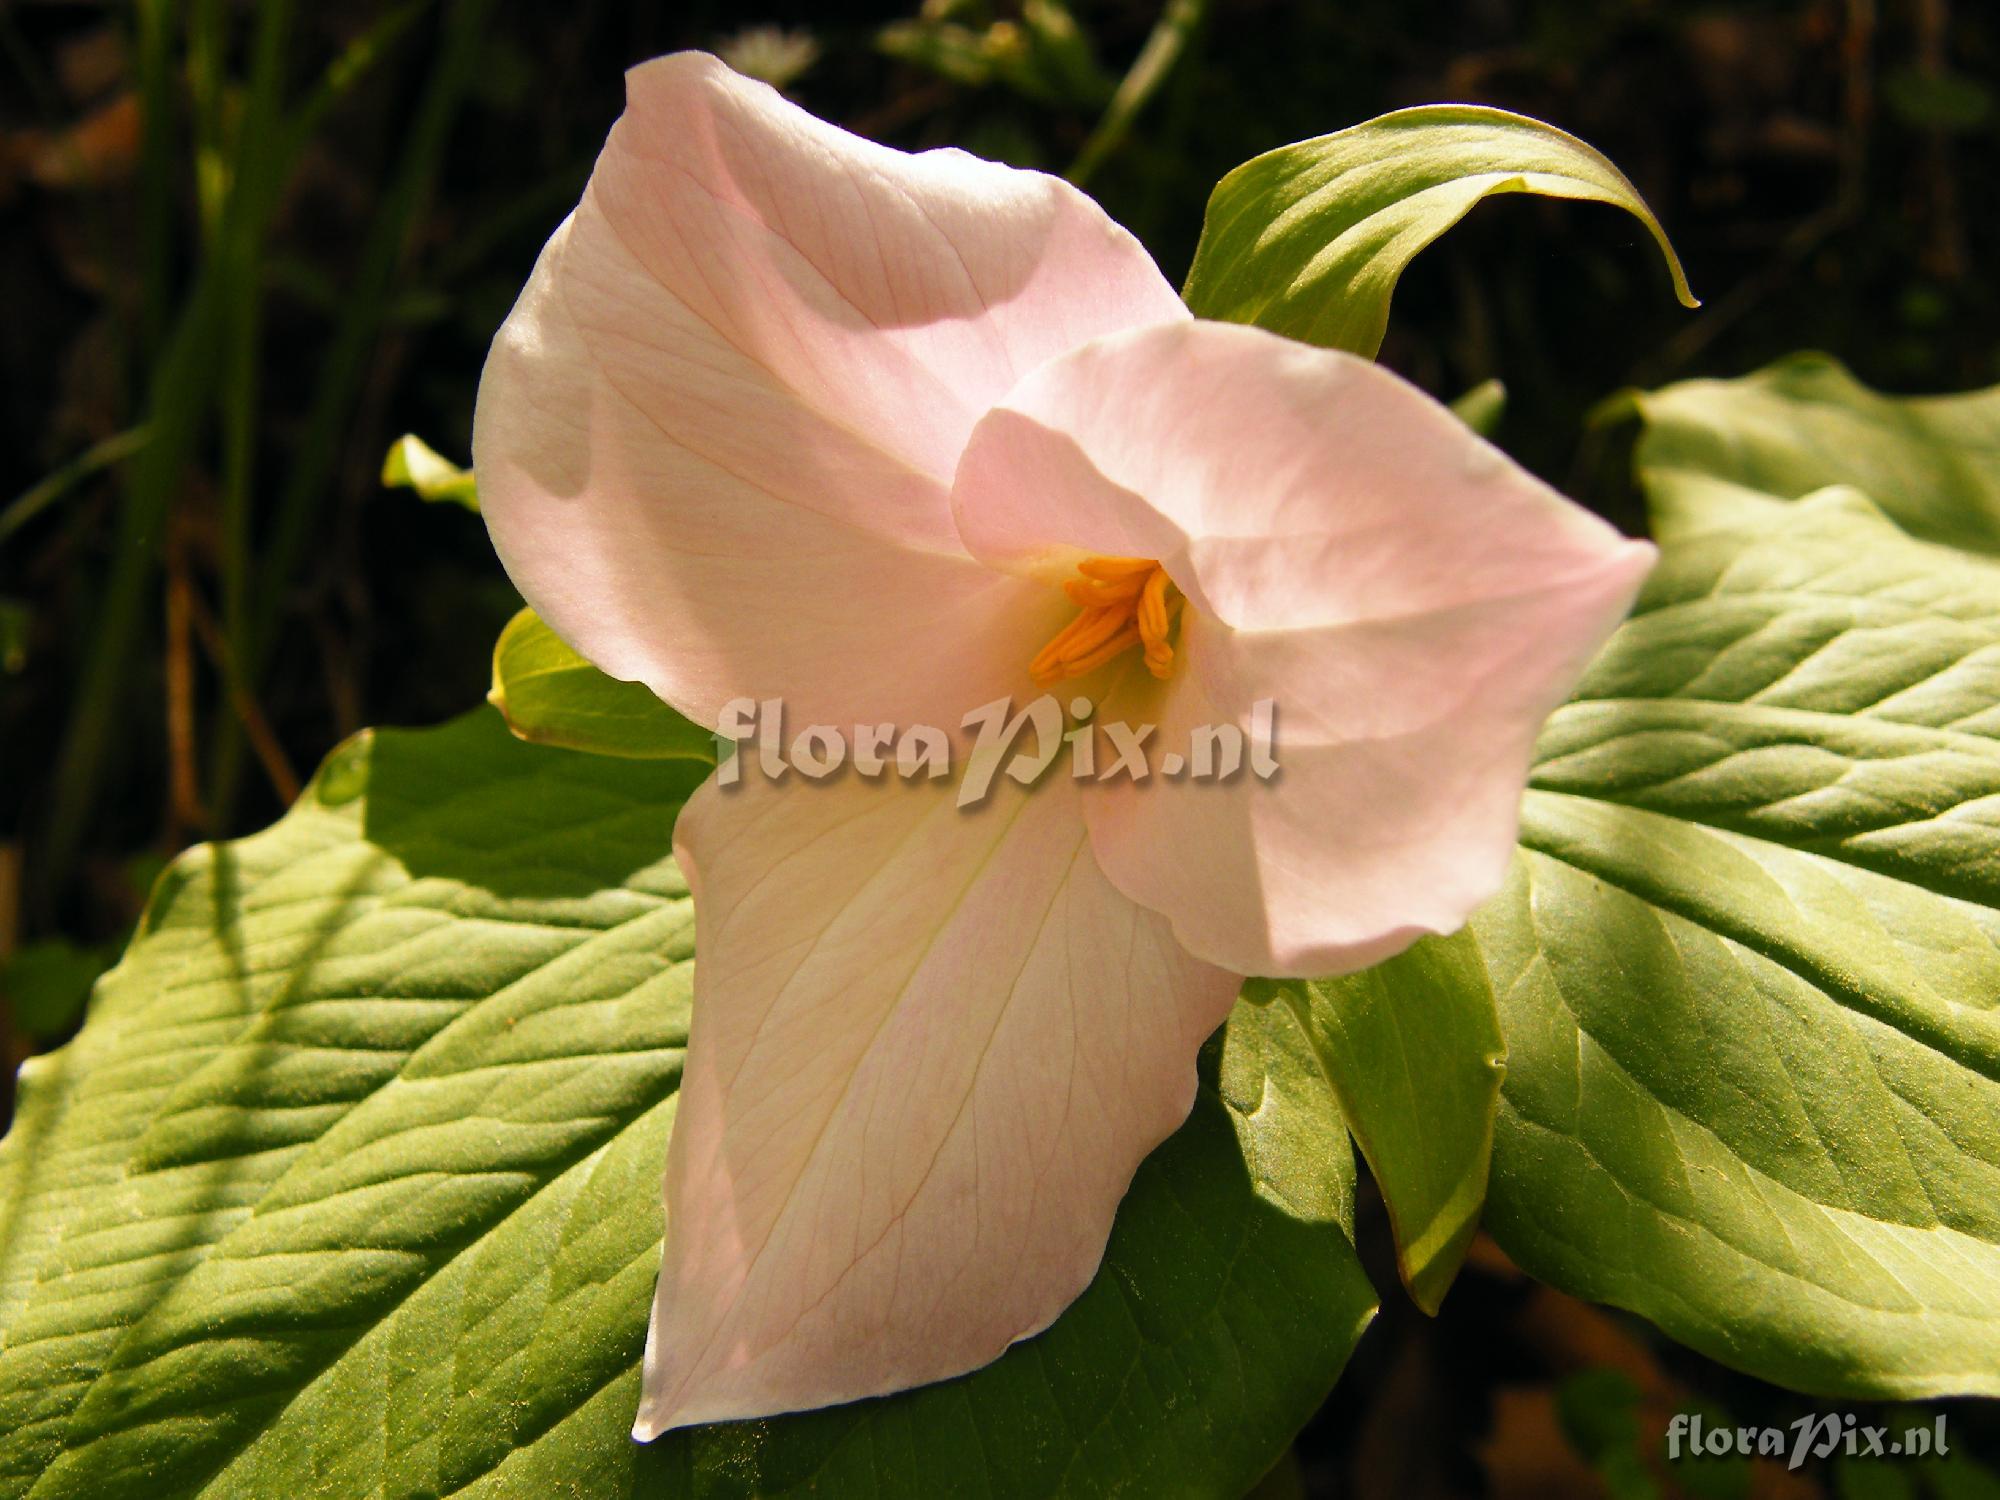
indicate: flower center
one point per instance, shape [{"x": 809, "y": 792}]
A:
[{"x": 1125, "y": 601}]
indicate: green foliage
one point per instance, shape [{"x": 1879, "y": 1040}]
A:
[
  {"x": 1933, "y": 463},
  {"x": 1745, "y": 964},
  {"x": 1412, "y": 1050},
  {"x": 552, "y": 696},
  {"x": 411, "y": 463},
  {"x": 1599, "y": 1413},
  {"x": 242, "y": 139},
  {"x": 350, "y": 1186},
  {"x": 1309, "y": 240},
  {"x": 1044, "y": 55},
  {"x": 66, "y": 479},
  {"x": 1747, "y": 961}
]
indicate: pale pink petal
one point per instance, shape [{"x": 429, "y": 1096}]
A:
[
  {"x": 930, "y": 1048},
  {"x": 715, "y": 436},
  {"x": 1412, "y": 602}
]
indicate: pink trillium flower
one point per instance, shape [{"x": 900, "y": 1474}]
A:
[{"x": 785, "y": 414}]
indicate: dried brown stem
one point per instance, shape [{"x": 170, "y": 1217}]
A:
[
  {"x": 184, "y": 807},
  {"x": 256, "y": 728}
]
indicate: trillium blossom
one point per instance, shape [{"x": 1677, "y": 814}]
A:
[{"x": 786, "y": 414}]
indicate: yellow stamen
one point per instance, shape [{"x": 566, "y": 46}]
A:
[
  {"x": 1153, "y": 609},
  {"x": 1103, "y": 624},
  {"x": 1049, "y": 658},
  {"x": 1129, "y": 636},
  {"x": 1088, "y": 592},
  {"x": 1111, "y": 569},
  {"x": 1125, "y": 602}
]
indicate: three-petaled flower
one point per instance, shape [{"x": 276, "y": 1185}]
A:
[{"x": 786, "y": 414}]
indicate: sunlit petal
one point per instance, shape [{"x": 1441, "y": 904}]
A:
[
  {"x": 930, "y": 1048},
  {"x": 715, "y": 436},
  {"x": 1411, "y": 602}
]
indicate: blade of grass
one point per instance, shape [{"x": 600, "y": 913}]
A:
[
  {"x": 355, "y": 62},
  {"x": 182, "y": 385},
  {"x": 271, "y": 141},
  {"x": 153, "y": 23},
  {"x": 262, "y": 162},
  {"x": 281, "y": 140},
  {"x": 317, "y": 460},
  {"x": 1163, "y": 49},
  {"x": 99, "y": 456},
  {"x": 208, "y": 87},
  {"x": 177, "y": 404}
]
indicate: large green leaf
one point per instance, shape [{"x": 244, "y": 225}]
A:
[
  {"x": 1309, "y": 240},
  {"x": 426, "y": 890},
  {"x": 1748, "y": 963},
  {"x": 551, "y": 695},
  {"x": 1412, "y": 1050},
  {"x": 1932, "y": 462},
  {"x": 349, "y": 1187}
]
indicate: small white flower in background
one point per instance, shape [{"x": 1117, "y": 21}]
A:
[{"x": 770, "y": 54}]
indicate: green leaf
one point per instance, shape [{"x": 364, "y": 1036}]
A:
[
  {"x": 1412, "y": 1050},
  {"x": 1931, "y": 462},
  {"x": 413, "y": 464},
  {"x": 1599, "y": 1413},
  {"x": 349, "y": 1187},
  {"x": 1281, "y": 1102},
  {"x": 1309, "y": 240},
  {"x": 437, "y": 910},
  {"x": 552, "y": 696},
  {"x": 1748, "y": 962}
]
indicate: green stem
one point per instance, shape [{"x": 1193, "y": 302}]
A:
[
  {"x": 183, "y": 383},
  {"x": 177, "y": 401},
  {"x": 366, "y": 303},
  {"x": 263, "y": 162},
  {"x": 207, "y": 49},
  {"x": 154, "y": 25},
  {"x": 173, "y": 401},
  {"x": 276, "y": 142},
  {"x": 40, "y": 496},
  {"x": 1164, "y": 47}
]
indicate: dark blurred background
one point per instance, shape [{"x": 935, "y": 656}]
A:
[{"x": 244, "y": 246}]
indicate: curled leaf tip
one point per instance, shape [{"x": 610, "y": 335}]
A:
[
  {"x": 1310, "y": 239},
  {"x": 413, "y": 464}
]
